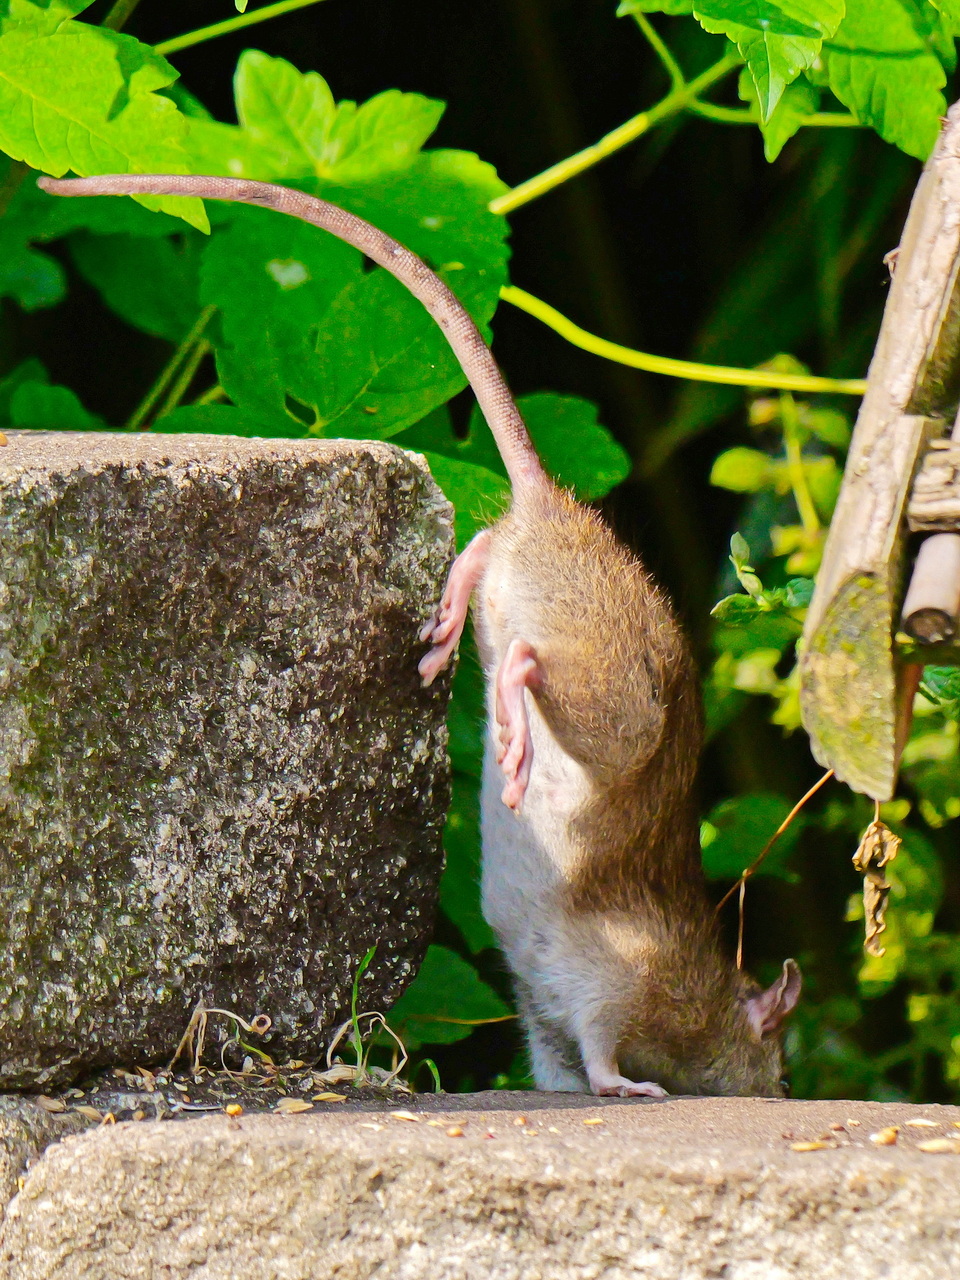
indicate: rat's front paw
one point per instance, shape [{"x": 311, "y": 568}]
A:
[{"x": 620, "y": 1087}]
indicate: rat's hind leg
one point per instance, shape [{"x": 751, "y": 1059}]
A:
[
  {"x": 446, "y": 626},
  {"x": 518, "y": 672}
]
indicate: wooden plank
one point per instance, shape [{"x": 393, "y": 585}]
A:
[
  {"x": 935, "y": 500},
  {"x": 853, "y": 696}
]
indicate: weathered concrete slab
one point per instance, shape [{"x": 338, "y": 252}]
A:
[
  {"x": 682, "y": 1189},
  {"x": 219, "y": 776}
]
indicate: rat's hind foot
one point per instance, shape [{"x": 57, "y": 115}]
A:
[
  {"x": 609, "y": 1084},
  {"x": 518, "y": 671},
  {"x": 444, "y": 629}
]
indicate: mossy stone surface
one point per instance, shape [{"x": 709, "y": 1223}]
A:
[{"x": 219, "y": 776}]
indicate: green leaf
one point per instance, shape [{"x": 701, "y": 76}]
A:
[
  {"x": 575, "y": 449},
  {"x": 28, "y": 371},
  {"x": 800, "y": 100},
  {"x": 84, "y": 98},
  {"x": 654, "y": 6},
  {"x": 786, "y": 19},
  {"x": 739, "y": 551},
  {"x": 444, "y": 998},
  {"x": 312, "y": 343},
  {"x": 45, "y": 408},
  {"x": 775, "y": 57},
  {"x": 209, "y": 419},
  {"x": 241, "y": 5},
  {"x": 742, "y": 470},
  {"x": 460, "y": 885},
  {"x": 736, "y": 831},
  {"x": 742, "y": 631},
  {"x": 38, "y": 15},
  {"x": 883, "y": 69},
  {"x": 291, "y": 117},
  {"x": 151, "y": 283},
  {"x": 479, "y": 496},
  {"x": 950, "y": 13},
  {"x": 829, "y": 425},
  {"x": 941, "y": 686}
]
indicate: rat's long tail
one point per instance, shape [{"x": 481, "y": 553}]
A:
[{"x": 475, "y": 358}]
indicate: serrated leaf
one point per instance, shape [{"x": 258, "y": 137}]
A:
[
  {"x": 39, "y": 15},
  {"x": 84, "y": 98},
  {"x": 798, "y": 101},
  {"x": 292, "y": 118},
  {"x": 742, "y": 470},
  {"x": 152, "y": 283},
  {"x": 314, "y": 344},
  {"x": 884, "y": 71},
  {"x": 445, "y": 996},
  {"x": 50, "y": 408},
  {"x": 574, "y": 447},
  {"x": 736, "y": 831},
  {"x": 790, "y": 18}
]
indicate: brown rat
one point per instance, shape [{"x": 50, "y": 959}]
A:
[{"x": 591, "y": 860}]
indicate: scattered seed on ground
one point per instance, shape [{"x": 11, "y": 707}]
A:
[
  {"x": 406, "y": 1115},
  {"x": 809, "y": 1146},
  {"x": 940, "y": 1146},
  {"x": 329, "y": 1097},
  {"x": 920, "y": 1123},
  {"x": 233, "y": 1109},
  {"x": 454, "y": 1131},
  {"x": 594, "y": 1120},
  {"x": 375, "y": 1127},
  {"x": 885, "y": 1137},
  {"x": 291, "y": 1106},
  {"x": 51, "y": 1104},
  {"x": 90, "y": 1112}
]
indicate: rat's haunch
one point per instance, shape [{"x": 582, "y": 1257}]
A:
[{"x": 591, "y": 853}]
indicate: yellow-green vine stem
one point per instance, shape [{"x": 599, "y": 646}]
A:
[
  {"x": 744, "y": 115},
  {"x": 798, "y": 477},
  {"x": 674, "y": 368},
  {"x": 677, "y": 100},
  {"x": 170, "y": 371},
  {"x": 229, "y": 25}
]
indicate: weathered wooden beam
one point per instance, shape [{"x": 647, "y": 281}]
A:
[
  {"x": 853, "y": 696},
  {"x": 935, "y": 500}
]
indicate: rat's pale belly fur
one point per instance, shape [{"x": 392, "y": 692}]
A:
[{"x": 563, "y": 984}]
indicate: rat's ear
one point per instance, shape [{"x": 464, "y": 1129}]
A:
[{"x": 767, "y": 1010}]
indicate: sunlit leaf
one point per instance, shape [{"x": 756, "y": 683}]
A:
[
  {"x": 883, "y": 69},
  {"x": 443, "y": 1001},
  {"x": 84, "y": 98}
]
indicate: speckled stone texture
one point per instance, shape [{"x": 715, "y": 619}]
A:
[
  {"x": 683, "y": 1189},
  {"x": 219, "y": 777}
]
